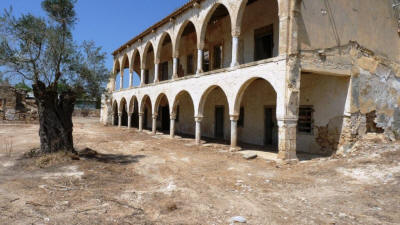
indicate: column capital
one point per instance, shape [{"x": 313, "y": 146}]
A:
[
  {"x": 141, "y": 114},
  {"x": 235, "y": 34},
  {"x": 119, "y": 113},
  {"x": 172, "y": 116},
  {"x": 234, "y": 117},
  {"x": 198, "y": 118},
  {"x": 155, "y": 115}
]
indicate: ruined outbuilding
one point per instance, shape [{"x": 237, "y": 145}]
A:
[
  {"x": 292, "y": 75},
  {"x": 15, "y": 106}
]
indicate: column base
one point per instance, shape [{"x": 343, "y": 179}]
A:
[
  {"x": 234, "y": 64},
  {"x": 235, "y": 149}
]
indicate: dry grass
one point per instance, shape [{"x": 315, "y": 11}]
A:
[{"x": 52, "y": 159}]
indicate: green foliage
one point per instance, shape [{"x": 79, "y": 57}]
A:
[
  {"x": 43, "y": 51},
  {"x": 23, "y": 86}
]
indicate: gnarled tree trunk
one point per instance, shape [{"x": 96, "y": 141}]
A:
[{"x": 55, "y": 117}]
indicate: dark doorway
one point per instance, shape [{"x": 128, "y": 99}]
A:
[
  {"x": 135, "y": 115},
  {"x": 115, "y": 117},
  {"x": 219, "y": 121},
  {"x": 269, "y": 125},
  {"x": 165, "y": 118},
  {"x": 124, "y": 118},
  {"x": 264, "y": 43}
]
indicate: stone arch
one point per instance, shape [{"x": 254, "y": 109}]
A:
[
  {"x": 131, "y": 107},
  {"x": 124, "y": 65},
  {"x": 145, "y": 98},
  {"x": 176, "y": 100},
  {"x": 125, "y": 62},
  {"x": 135, "y": 56},
  {"x": 158, "y": 101},
  {"x": 147, "y": 47},
  {"x": 162, "y": 112},
  {"x": 160, "y": 46},
  {"x": 204, "y": 96},
  {"x": 237, "y": 17},
  {"x": 204, "y": 24},
  {"x": 180, "y": 33},
  {"x": 122, "y": 102},
  {"x": 123, "y": 110},
  {"x": 242, "y": 90}
]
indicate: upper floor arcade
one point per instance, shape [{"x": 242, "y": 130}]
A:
[{"x": 201, "y": 37}]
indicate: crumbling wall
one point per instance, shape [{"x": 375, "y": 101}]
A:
[
  {"x": 373, "y": 104},
  {"x": 376, "y": 91},
  {"x": 15, "y": 107}
]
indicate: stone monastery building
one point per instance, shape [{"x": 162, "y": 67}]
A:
[{"x": 291, "y": 75}]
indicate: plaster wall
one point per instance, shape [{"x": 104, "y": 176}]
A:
[
  {"x": 258, "y": 96},
  {"x": 219, "y": 34},
  {"x": 215, "y": 98},
  {"x": 186, "y": 124},
  {"x": 188, "y": 46},
  {"x": 371, "y": 23},
  {"x": 258, "y": 15},
  {"x": 327, "y": 95}
]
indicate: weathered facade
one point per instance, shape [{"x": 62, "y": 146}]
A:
[
  {"x": 300, "y": 75},
  {"x": 14, "y": 107}
]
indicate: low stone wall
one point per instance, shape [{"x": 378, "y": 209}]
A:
[{"x": 86, "y": 113}]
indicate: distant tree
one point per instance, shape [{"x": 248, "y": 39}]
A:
[
  {"x": 23, "y": 86},
  {"x": 43, "y": 51}
]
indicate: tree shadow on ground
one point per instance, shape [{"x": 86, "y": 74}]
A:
[{"x": 90, "y": 154}]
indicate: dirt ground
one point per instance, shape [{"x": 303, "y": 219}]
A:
[{"x": 137, "y": 178}]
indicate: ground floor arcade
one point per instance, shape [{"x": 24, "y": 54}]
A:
[{"x": 244, "y": 112}]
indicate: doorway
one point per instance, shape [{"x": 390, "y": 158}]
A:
[
  {"x": 165, "y": 118},
  {"x": 219, "y": 122},
  {"x": 269, "y": 124}
]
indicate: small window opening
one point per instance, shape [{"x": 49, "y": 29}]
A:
[
  {"x": 305, "y": 122},
  {"x": 263, "y": 43},
  {"x": 164, "y": 71},
  {"x": 217, "y": 57}
]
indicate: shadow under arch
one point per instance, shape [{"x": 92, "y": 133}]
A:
[
  {"x": 115, "y": 113},
  {"x": 146, "y": 110},
  {"x": 200, "y": 110},
  {"x": 162, "y": 109},
  {"x": 124, "y": 112},
  {"x": 134, "y": 111},
  {"x": 255, "y": 105},
  {"x": 184, "y": 110}
]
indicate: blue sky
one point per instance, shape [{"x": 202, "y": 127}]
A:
[{"x": 110, "y": 23}]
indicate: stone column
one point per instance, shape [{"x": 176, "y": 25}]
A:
[
  {"x": 121, "y": 81},
  {"x": 130, "y": 79},
  {"x": 119, "y": 119},
  {"x": 129, "y": 120},
  {"x": 154, "y": 124},
  {"x": 199, "y": 61},
  {"x": 175, "y": 68},
  {"x": 287, "y": 139},
  {"x": 156, "y": 73},
  {"x": 198, "y": 129},
  {"x": 141, "y": 122},
  {"x": 234, "y": 119},
  {"x": 172, "y": 126},
  {"x": 235, "y": 51},
  {"x": 142, "y": 72}
]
